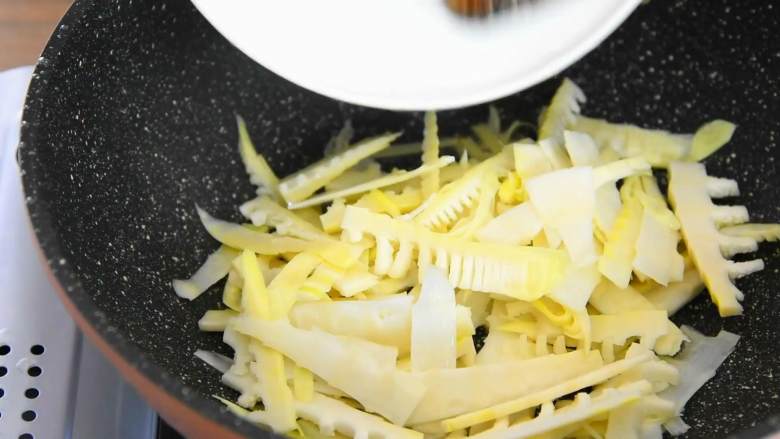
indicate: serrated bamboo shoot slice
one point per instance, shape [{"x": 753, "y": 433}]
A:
[
  {"x": 648, "y": 325},
  {"x": 525, "y": 272},
  {"x": 445, "y": 206},
  {"x": 630, "y": 421},
  {"x": 456, "y": 391},
  {"x": 657, "y": 372},
  {"x": 429, "y": 182},
  {"x": 501, "y": 346},
  {"x": 305, "y": 182},
  {"x": 365, "y": 371},
  {"x": 550, "y": 393},
  {"x": 277, "y": 396},
  {"x": 481, "y": 213},
  {"x": 584, "y": 407},
  {"x": 216, "y": 267},
  {"x": 609, "y": 299},
  {"x": 387, "y": 180},
  {"x": 260, "y": 173},
  {"x": 689, "y": 195},
  {"x": 562, "y": 111},
  {"x": 331, "y": 416}
]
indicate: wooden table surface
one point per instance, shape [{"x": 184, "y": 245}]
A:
[{"x": 25, "y": 26}]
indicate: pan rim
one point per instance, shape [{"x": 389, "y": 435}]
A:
[{"x": 152, "y": 379}]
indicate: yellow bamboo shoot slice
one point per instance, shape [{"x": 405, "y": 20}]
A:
[
  {"x": 603, "y": 373},
  {"x": 216, "y": 320},
  {"x": 584, "y": 407},
  {"x": 277, "y": 396},
  {"x": 710, "y": 138},
  {"x": 254, "y": 297},
  {"x": 633, "y": 420},
  {"x": 433, "y": 328},
  {"x": 673, "y": 297},
  {"x": 565, "y": 202},
  {"x": 430, "y": 154},
  {"x": 365, "y": 371},
  {"x": 332, "y": 416},
  {"x": 263, "y": 211},
  {"x": 381, "y": 182},
  {"x": 658, "y": 147},
  {"x": 562, "y": 111},
  {"x": 656, "y": 253},
  {"x": 216, "y": 267},
  {"x": 364, "y": 171},
  {"x": 448, "y": 204},
  {"x": 385, "y": 321},
  {"x": 305, "y": 182},
  {"x": 530, "y": 160},
  {"x": 303, "y": 384},
  {"x": 455, "y": 391},
  {"x": 619, "y": 250},
  {"x": 647, "y": 325},
  {"x": 581, "y": 148},
  {"x": 698, "y": 216},
  {"x": 260, "y": 173}
]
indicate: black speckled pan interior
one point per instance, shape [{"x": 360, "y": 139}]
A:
[{"x": 130, "y": 122}]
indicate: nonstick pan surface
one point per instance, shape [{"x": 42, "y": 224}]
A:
[{"x": 130, "y": 121}]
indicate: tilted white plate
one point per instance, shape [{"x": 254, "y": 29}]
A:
[{"x": 413, "y": 54}]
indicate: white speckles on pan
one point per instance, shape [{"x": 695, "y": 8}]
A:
[{"x": 130, "y": 123}]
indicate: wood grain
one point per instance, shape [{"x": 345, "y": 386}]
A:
[{"x": 25, "y": 26}]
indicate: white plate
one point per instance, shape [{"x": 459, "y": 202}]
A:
[{"x": 413, "y": 54}]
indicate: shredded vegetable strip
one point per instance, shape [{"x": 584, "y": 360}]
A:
[{"x": 381, "y": 182}]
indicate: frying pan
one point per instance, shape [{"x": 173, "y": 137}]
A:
[{"x": 130, "y": 121}]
